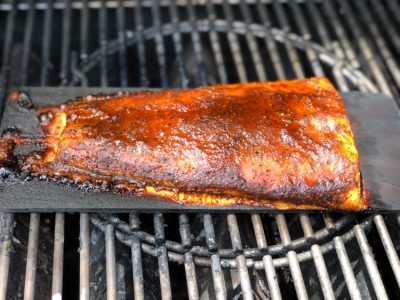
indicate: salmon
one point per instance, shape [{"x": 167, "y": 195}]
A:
[{"x": 284, "y": 144}]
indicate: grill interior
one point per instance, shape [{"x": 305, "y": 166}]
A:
[{"x": 178, "y": 44}]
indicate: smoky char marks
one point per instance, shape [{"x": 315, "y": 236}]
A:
[
  {"x": 288, "y": 141},
  {"x": 285, "y": 144}
]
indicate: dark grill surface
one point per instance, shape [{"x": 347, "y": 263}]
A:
[{"x": 356, "y": 44}]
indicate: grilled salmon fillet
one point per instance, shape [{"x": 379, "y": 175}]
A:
[{"x": 285, "y": 144}]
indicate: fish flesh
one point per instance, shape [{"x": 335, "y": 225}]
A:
[{"x": 284, "y": 144}]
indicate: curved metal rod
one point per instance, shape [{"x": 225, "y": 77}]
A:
[
  {"x": 352, "y": 74},
  {"x": 319, "y": 237},
  {"x": 227, "y": 263}
]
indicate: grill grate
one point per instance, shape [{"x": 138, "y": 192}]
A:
[{"x": 184, "y": 44}]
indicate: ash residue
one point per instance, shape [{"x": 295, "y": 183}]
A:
[{"x": 9, "y": 176}]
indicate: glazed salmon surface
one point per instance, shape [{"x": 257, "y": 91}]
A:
[{"x": 285, "y": 144}]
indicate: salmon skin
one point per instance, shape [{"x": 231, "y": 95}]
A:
[{"x": 284, "y": 145}]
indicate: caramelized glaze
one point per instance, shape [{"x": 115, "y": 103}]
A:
[{"x": 285, "y": 144}]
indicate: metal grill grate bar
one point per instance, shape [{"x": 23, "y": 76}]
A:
[
  {"x": 347, "y": 269},
  {"x": 77, "y": 75},
  {"x": 291, "y": 255},
  {"x": 387, "y": 20},
  {"x": 190, "y": 270},
  {"x": 110, "y": 262},
  {"x": 215, "y": 43},
  {"x": 234, "y": 44},
  {"x": 103, "y": 44},
  {"x": 318, "y": 259},
  {"x": 8, "y": 40},
  {"x": 58, "y": 257},
  {"x": 66, "y": 41},
  {"x": 270, "y": 42},
  {"x": 138, "y": 16},
  {"x": 365, "y": 49},
  {"x": 240, "y": 259},
  {"x": 292, "y": 54},
  {"x": 305, "y": 33},
  {"x": 323, "y": 35},
  {"x": 122, "y": 44},
  {"x": 197, "y": 46},
  {"x": 395, "y": 7},
  {"x": 6, "y": 55},
  {"x": 388, "y": 245},
  {"x": 27, "y": 42},
  {"x": 95, "y": 4},
  {"x": 218, "y": 276},
  {"x": 136, "y": 251},
  {"x": 337, "y": 70},
  {"x": 47, "y": 25},
  {"x": 267, "y": 259},
  {"x": 31, "y": 259},
  {"x": 379, "y": 41},
  {"x": 161, "y": 252},
  {"x": 84, "y": 28},
  {"x": 7, "y": 220},
  {"x": 319, "y": 24},
  {"x": 177, "y": 38},
  {"x": 252, "y": 44},
  {"x": 160, "y": 48},
  {"x": 345, "y": 264},
  {"x": 370, "y": 262},
  {"x": 84, "y": 257},
  {"x": 340, "y": 33}
]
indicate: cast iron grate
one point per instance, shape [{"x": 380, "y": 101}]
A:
[{"x": 182, "y": 44}]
